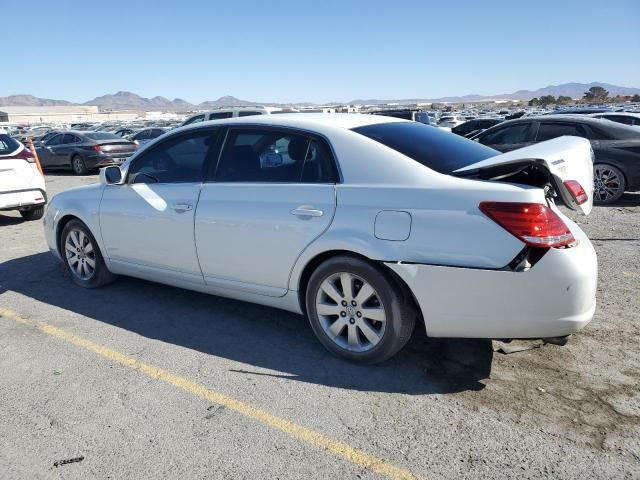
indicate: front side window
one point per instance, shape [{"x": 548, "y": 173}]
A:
[
  {"x": 547, "y": 131},
  {"x": 56, "y": 140},
  {"x": 275, "y": 156},
  {"x": 178, "y": 159}
]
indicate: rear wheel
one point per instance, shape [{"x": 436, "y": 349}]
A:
[
  {"x": 79, "y": 168},
  {"x": 357, "y": 311},
  {"x": 608, "y": 183},
  {"x": 34, "y": 213},
  {"x": 82, "y": 256}
]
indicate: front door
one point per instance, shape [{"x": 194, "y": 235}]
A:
[
  {"x": 148, "y": 221},
  {"x": 273, "y": 193}
]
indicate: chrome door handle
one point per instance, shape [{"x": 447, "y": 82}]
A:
[
  {"x": 181, "y": 207},
  {"x": 307, "y": 212}
]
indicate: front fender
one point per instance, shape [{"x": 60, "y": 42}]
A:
[{"x": 82, "y": 203}]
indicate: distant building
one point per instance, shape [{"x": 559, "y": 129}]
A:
[
  {"x": 4, "y": 117},
  {"x": 63, "y": 114}
]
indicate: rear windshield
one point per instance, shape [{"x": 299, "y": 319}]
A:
[
  {"x": 441, "y": 151},
  {"x": 102, "y": 136},
  {"x": 7, "y": 144}
]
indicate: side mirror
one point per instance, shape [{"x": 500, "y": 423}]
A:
[{"x": 110, "y": 175}]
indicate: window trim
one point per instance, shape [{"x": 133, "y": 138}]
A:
[
  {"x": 213, "y": 172},
  {"x": 212, "y": 154}
]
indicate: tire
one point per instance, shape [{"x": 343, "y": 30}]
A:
[
  {"x": 609, "y": 183},
  {"x": 82, "y": 256},
  {"x": 34, "y": 213},
  {"x": 375, "y": 326},
  {"x": 78, "y": 165}
]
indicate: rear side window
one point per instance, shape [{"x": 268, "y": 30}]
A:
[
  {"x": 507, "y": 135},
  {"x": 219, "y": 115},
  {"x": 248, "y": 114},
  {"x": 432, "y": 147},
  {"x": 271, "y": 156},
  {"x": 547, "y": 131},
  {"x": 7, "y": 145}
]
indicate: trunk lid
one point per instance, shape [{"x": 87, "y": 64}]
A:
[
  {"x": 118, "y": 147},
  {"x": 545, "y": 164}
]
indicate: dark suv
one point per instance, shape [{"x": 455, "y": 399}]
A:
[{"x": 616, "y": 147}]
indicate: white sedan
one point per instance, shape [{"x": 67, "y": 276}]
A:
[{"x": 362, "y": 223}]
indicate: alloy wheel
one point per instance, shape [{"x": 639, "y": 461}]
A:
[
  {"x": 80, "y": 254},
  {"x": 351, "y": 312},
  {"x": 607, "y": 183}
]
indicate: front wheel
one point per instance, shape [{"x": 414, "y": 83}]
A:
[
  {"x": 357, "y": 311},
  {"x": 82, "y": 256},
  {"x": 608, "y": 183}
]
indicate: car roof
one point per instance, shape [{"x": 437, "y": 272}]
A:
[{"x": 346, "y": 121}]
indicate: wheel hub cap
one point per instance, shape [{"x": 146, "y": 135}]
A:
[{"x": 351, "y": 312}]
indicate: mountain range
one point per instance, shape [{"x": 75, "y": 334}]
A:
[{"x": 131, "y": 101}]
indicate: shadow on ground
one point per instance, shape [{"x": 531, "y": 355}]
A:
[{"x": 256, "y": 336}]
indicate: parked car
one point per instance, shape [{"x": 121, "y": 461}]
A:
[
  {"x": 450, "y": 121},
  {"x": 583, "y": 110},
  {"x": 361, "y": 222},
  {"x": 84, "y": 151},
  {"x": 233, "y": 112},
  {"x": 123, "y": 132},
  {"x": 626, "y": 118},
  {"x": 616, "y": 147},
  {"x": 146, "y": 135},
  {"x": 22, "y": 185},
  {"x": 476, "y": 125}
]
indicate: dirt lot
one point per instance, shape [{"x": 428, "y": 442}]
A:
[{"x": 222, "y": 389}]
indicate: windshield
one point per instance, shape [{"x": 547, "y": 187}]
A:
[{"x": 441, "y": 151}]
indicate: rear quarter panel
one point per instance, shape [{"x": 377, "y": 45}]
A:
[{"x": 447, "y": 228}]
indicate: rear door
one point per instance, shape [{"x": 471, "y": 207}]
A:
[
  {"x": 272, "y": 194},
  {"x": 66, "y": 148}
]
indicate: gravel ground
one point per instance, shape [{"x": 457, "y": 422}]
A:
[{"x": 440, "y": 409}]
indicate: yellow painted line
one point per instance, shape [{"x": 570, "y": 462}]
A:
[{"x": 294, "y": 430}]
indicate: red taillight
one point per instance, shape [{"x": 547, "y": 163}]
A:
[
  {"x": 96, "y": 148},
  {"x": 533, "y": 223},
  {"x": 25, "y": 155},
  {"x": 577, "y": 192}
]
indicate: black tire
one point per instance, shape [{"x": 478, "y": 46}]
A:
[
  {"x": 603, "y": 192},
  {"x": 101, "y": 274},
  {"x": 34, "y": 213},
  {"x": 400, "y": 315},
  {"x": 78, "y": 165}
]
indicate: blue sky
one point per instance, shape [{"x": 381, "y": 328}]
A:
[{"x": 318, "y": 51}]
